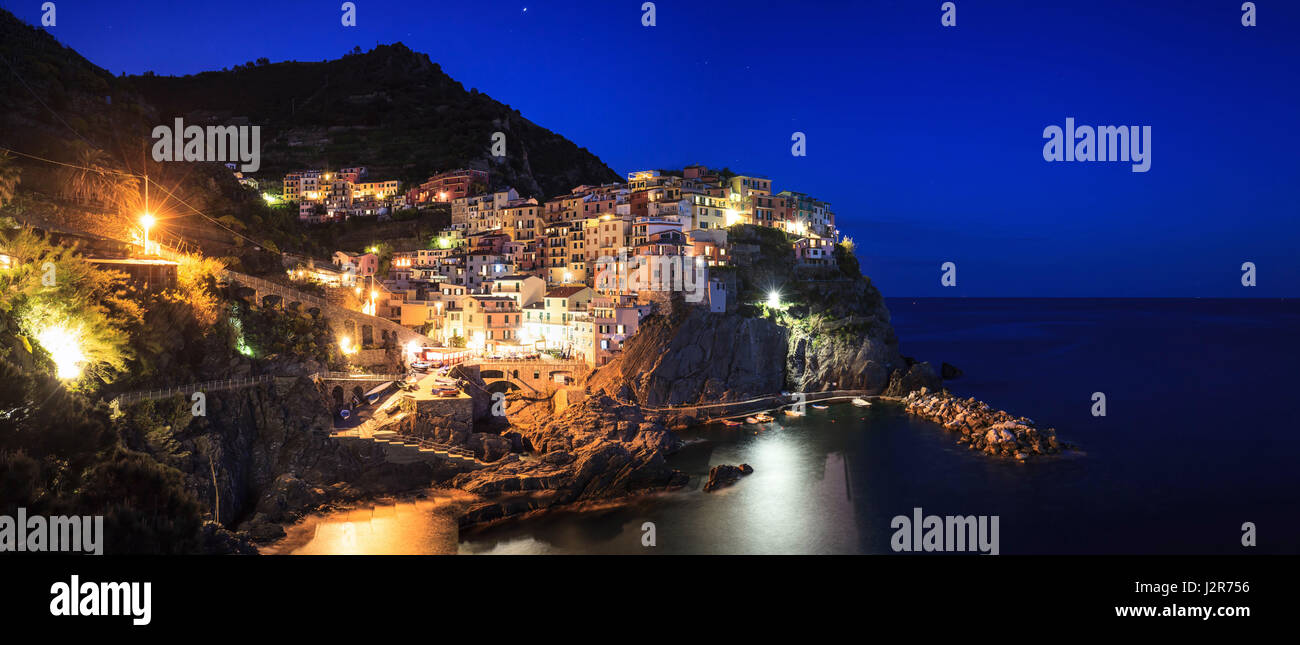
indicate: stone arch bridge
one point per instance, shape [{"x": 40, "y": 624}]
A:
[{"x": 539, "y": 376}]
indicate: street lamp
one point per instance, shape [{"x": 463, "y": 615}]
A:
[
  {"x": 774, "y": 299},
  {"x": 146, "y": 222}
]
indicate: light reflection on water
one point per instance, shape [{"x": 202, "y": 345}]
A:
[
  {"x": 800, "y": 499},
  {"x": 401, "y": 528}
]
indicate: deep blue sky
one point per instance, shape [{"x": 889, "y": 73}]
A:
[{"x": 927, "y": 140}]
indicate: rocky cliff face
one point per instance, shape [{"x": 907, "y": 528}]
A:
[
  {"x": 688, "y": 355},
  {"x": 596, "y": 449},
  {"x": 262, "y": 455},
  {"x": 831, "y": 331},
  {"x": 848, "y": 346}
]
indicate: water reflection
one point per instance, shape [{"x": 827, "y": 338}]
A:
[
  {"x": 798, "y": 500},
  {"x": 425, "y": 526}
]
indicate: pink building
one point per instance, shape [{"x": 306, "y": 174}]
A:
[{"x": 447, "y": 186}]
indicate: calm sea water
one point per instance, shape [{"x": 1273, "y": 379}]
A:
[{"x": 1200, "y": 436}]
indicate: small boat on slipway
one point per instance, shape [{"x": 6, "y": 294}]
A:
[
  {"x": 820, "y": 407},
  {"x": 763, "y": 418},
  {"x": 861, "y": 402},
  {"x": 793, "y": 413},
  {"x": 730, "y": 423},
  {"x": 751, "y": 420}
]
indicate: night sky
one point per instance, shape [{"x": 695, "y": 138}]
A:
[{"x": 927, "y": 140}]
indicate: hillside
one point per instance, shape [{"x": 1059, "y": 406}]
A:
[{"x": 390, "y": 109}]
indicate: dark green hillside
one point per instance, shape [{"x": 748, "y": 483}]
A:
[{"x": 390, "y": 109}]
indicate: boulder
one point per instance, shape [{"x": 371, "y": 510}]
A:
[{"x": 725, "y": 475}]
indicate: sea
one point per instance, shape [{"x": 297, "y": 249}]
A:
[{"x": 1197, "y": 451}]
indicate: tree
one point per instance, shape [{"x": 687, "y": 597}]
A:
[
  {"x": 205, "y": 447},
  {"x": 91, "y": 179},
  {"x": 457, "y": 341},
  {"x": 52, "y": 288},
  {"x": 9, "y": 176}
]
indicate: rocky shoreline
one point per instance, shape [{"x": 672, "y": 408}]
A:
[{"x": 982, "y": 427}]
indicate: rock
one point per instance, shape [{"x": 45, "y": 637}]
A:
[
  {"x": 725, "y": 475},
  {"x": 916, "y": 377},
  {"x": 981, "y": 427},
  {"x": 215, "y": 539},
  {"x": 489, "y": 447},
  {"x": 949, "y": 371}
]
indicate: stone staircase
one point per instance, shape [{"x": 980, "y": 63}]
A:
[{"x": 406, "y": 449}]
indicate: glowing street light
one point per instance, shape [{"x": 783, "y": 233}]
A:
[
  {"x": 146, "y": 222},
  {"x": 774, "y": 299},
  {"x": 64, "y": 347},
  {"x": 346, "y": 346}
]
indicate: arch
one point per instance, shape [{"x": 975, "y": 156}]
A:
[
  {"x": 337, "y": 395},
  {"x": 367, "y": 335},
  {"x": 487, "y": 374},
  {"x": 502, "y": 386}
]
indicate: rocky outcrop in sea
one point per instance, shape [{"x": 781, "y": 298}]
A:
[
  {"x": 724, "y": 475},
  {"x": 982, "y": 427}
]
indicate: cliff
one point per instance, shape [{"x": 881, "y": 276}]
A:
[
  {"x": 596, "y": 449},
  {"x": 830, "y": 331},
  {"x": 262, "y": 455},
  {"x": 690, "y": 355}
]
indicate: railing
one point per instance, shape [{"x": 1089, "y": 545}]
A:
[
  {"x": 809, "y": 397},
  {"x": 227, "y": 384},
  {"x": 293, "y": 295},
  {"x": 206, "y": 386},
  {"x": 349, "y": 376}
]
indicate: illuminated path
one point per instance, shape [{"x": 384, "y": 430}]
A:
[{"x": 334, "y": 312}]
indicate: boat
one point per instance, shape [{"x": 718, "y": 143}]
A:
[
  {"x": 374, "y": 394},
  {"x": 861, "y": 402},
  {"x": 729, "y": 422},
  {"x": 747, "y": 420},
  {"x": 763, "y": 418},
  {"x": 820, "y": 407},
  {"x": 793, "y": 413}
]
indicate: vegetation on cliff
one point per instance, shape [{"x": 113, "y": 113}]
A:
[
  {"x": 827, "y": 329},
  {"x": 391, "y": 109}
]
